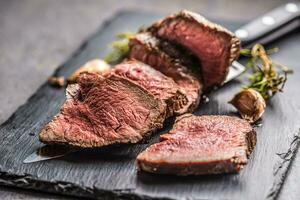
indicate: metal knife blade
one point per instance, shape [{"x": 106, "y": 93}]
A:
[
  {"x": 48, "y": 152},
  {"x": 235, "y": 70}
]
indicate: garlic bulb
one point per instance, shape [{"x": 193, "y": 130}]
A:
[
  {"x": 93, "y": 66},
  {"x": 250, "y": 104}
]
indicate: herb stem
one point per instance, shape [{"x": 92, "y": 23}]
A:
[{"x": 267, "y": 77}]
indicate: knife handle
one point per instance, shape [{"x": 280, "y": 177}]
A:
[{"x": 271, "y": 26}]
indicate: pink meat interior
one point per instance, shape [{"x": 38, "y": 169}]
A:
[{"x": 212, "y": 49}]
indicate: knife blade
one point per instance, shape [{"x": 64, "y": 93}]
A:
[
  {"x": 235, "y": 70},
  {"x": 48, "y": 152},
  {"x": 264, "y": 29}
]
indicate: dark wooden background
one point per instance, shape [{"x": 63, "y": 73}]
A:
[{"x": 36, "y": 36}]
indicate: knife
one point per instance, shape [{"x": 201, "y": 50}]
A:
[
  {"x": 264, "y": 29},
  {"x": 48, "y": 152}
]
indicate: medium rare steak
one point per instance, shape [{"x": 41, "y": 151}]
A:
[
  {"x": 101, "y": 111},
  {"x": 214, "y": 46},
  {"x": 156, "y": 83},
  {"x": 172, "y": 62},
  {"x": 201, "y": 145}
]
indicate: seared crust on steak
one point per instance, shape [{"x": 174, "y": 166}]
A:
[
  {"x": 102, "y": 111},
  {"x": 215, "y": 46},
  {"x": 201, "y": 145}
]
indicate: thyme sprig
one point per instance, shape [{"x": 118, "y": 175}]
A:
[
  {"x": 268, "y": 77},
  {"x": 120, "y": 48}
]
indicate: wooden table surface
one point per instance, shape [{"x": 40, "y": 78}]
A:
[{"x": 36, "y": 36}]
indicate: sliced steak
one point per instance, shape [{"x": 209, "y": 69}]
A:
[
  {"x": 201, "y": 145},
  {"x": 161, "y": 86},
  {"x": 172, "y": 62},
  {"x": 214, "y": 46},
  {"x": 101, "y": 111}
]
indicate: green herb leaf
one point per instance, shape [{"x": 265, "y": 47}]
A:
[
  {"x": 120, "y": 48},
  {"x": 245, "y": 52}
]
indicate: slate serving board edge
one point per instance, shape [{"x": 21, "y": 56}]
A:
[
  {"x": 282, "y": 168},
  {"x": 30, "y": 182}
]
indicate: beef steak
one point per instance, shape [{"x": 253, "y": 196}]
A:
[
  {"x": 101, "y": 111},
  {"x": 214, "y": 46},
  {"x": 156, "y": 83},
  {"x": 172, "y": 62},
  {"x": 201, "y": 145}
]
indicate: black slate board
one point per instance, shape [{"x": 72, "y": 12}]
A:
[{"x": 111, "y": 173}]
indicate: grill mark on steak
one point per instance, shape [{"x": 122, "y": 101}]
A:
[
  {"x": 156, "y": 83},
  {"x": 201, "y": 145},
  {"x": 110, "y": 110},
  {"x": 214, "y": 46},
  {"x": 148, "y": 49}
]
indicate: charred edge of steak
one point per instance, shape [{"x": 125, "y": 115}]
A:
[
  {"x": 148, "y": 49},
  {"x": 176, "y": 103},
  {"x": 142, "y": 74},
  {"x": 226, "y": 166},
  {"x": 235, "y": 43},
  {"x": 251, "y": 141},
  {"x": 74, "y": 93}
]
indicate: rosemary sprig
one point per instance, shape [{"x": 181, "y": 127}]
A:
[
  {"x": 120, "y": 48},
  {"x": 267, "y": 77}
]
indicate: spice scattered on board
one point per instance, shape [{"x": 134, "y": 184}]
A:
[{"x": 57, "y": 81}]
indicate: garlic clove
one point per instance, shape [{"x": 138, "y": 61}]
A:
[
  {"x": 94, "y": 66},
  {"x": 250, "y": 104}
]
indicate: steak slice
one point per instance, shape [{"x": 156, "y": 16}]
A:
[
  {"x": 101, "y": 111},
  {"x": 214, "y": 46},
  {"x": 201, "y": 145},
  {"x": 156, "y": 83},
  {"x": 171, "y": 61}
]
